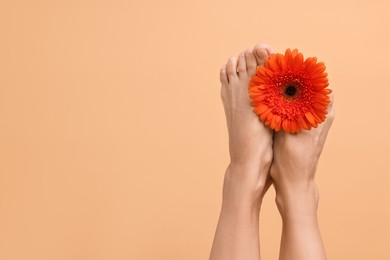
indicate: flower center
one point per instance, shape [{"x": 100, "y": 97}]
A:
[{"x": 290, "y": 90}]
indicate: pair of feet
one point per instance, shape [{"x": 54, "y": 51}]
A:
[
  {"x": 260, "y": 158},
  {"x": 282, "y": 158}
]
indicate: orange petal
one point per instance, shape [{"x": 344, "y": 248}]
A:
[
  {"x": 294, "y": 126},
  {"x": 294, "y": 52},
  {"x": 261, "y": 72},
  {"x": 270, "y": 116},
  {"x": 320, "y": 96},
  {"x": 269, "y": 73},
  {"x": 259, "y": 97},
  {"x": 321, "y": 80},
  {"x": 273, "y": 123},
  {"x": 286, "y": 125},
  {"x": 327, "y": 91},
  {"x": 319, "y": 106},
  {"x": 303, "y": 123},
  {"x": 310, "y": 62},
  {"x": 298, "y": 60},
  {"x": 282, "y": 62},
  {"x": 272, "y": 64},
  {"x": 310, "y": 118},
  {"x": 318, "y": 68},
  {"x": 289, "y": 57},
  {"x": 264, "y": 116},
  {"x": 316, "y": 117},
  {"x": 260, "y": 109},
  {"x": 320, "y": 75},
  {"x": 278, "y": 123}
]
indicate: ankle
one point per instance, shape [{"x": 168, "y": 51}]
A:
[
  {"x": 298, "y": 200},
  {"x": 243, "y": 186}
]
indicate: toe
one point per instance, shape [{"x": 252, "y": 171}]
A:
[
  {"x": 241, "y": 67},
  {"x": 223, "y": 76},
  {"x": 231, "y": 68},
  {"x": 251, "y": 62},
  {"x": 262, "y": 51}
]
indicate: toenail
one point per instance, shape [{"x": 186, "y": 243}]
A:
[
  {"x": 249, "y": 51},
  {"x": 261, "y": 52}
]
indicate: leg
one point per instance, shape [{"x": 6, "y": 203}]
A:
[
  {"x": 246, "y": 178},
  {"x": 293, "y": 171}
]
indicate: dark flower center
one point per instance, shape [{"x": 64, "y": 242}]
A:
[{"x": 290, "y": 90}]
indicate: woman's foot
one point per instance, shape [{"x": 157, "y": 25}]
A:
[
  {"x": 250, "y": 141},
  {"x": 296, "y": 157},
  {"x": 250, "y": 146},
  {"x": 293, "y": 171}
]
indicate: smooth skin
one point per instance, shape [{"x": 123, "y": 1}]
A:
[{"x": 258, "y": 158}]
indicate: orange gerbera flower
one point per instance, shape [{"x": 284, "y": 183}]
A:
[{"x": 289, "y": 92}]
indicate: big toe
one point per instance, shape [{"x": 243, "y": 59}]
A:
[{"x": 262, "y": 51}]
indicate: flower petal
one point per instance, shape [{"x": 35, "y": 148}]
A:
[
  {"x": 310, "y": 117},
  {"x": 260, "y": 108},
  {"x": 272, "y": 63}
]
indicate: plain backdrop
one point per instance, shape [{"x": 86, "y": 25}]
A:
[{"x": 113, "y": 141}]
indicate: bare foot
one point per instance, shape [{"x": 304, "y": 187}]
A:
[
  {"x": 296, "y": 156},
  {"x": 246, "y": 178},
  {"x": 293, "y": 171},
  {"x": 250, "y": 142}
]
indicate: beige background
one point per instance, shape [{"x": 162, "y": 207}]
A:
[{"x": 113, "y": 143}]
